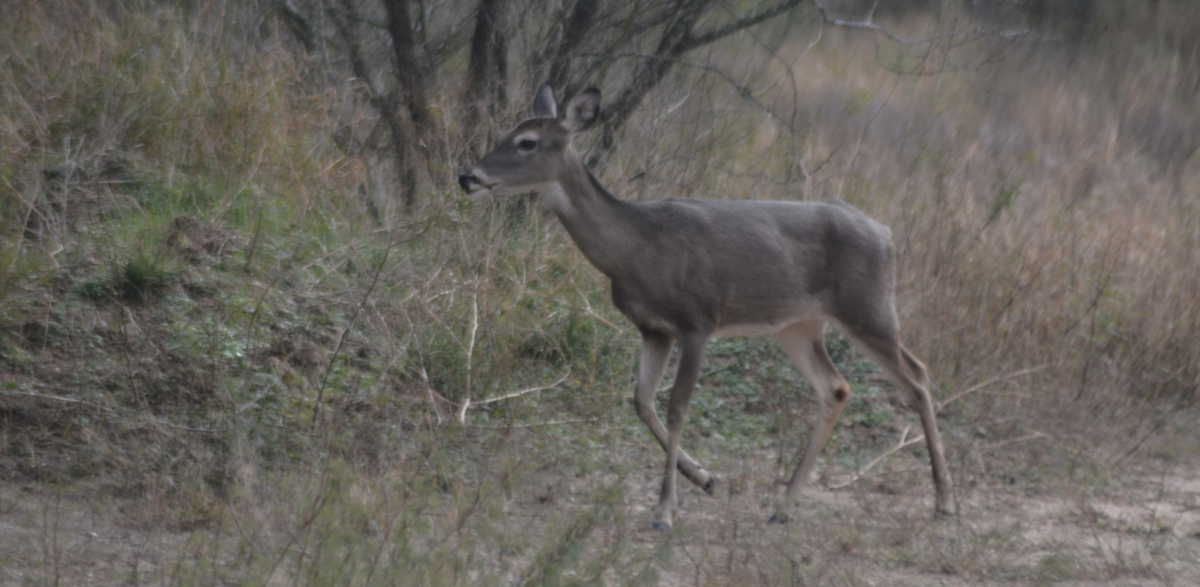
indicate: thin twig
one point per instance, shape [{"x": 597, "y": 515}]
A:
[
  {"x": 432, "y": 400},
  {"x": 261, "y": 394},
  {"x": 524, "y": 391},
  {"x": 71, "y": 400},
  {"x": 1031, "y": 436},
  {"x": 57, "y": 398},
  {"x": 342, "y": 338},
  {"x": 728, "y": 367},
  {"x": 868, "y": 23},
  {"x": 238, "y": 522},
  {"x": 587, "y": 307},
  {"x": 980, "y": 386},
  {"x": 900, "y": 444},
  {"x": 536, "y": 424},
  {"x": 462, "y": 412},
  {"x": 435, "y": 398}
]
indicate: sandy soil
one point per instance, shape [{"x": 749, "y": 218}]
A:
[{"x": 866, "y": 534}]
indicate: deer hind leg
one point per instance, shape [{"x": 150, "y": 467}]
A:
[
  {"x": 804, "y": 344},
  {"x": 880, "y": 342},
  {"x": 656, "y": 350}
]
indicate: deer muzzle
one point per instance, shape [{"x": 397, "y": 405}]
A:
[{"x": 468, "y": 181}]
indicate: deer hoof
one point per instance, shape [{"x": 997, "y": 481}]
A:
[
  {"x": 779, "y": 517},
  {"x": 710, "y": 487},
  {"x": 661, "y": 527}
]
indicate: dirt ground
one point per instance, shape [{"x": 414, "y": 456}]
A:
[{"x": 870, "y": 533}]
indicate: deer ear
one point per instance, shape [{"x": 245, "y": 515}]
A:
[
  {"x": 544, "y": 105},
  {"x": 582, "y": 110}
]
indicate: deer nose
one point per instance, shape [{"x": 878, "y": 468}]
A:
[{"x": 466, "y": 179}]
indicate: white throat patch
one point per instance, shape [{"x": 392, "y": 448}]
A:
[{"x": 556, "y": 199}]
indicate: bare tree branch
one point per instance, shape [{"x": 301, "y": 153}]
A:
[
  {"x": 867, "y": 23},
  {"x": 297, "y": 24},
  {"x": 677, "y": 38},
  {"x": 650, "y": 72},
  {"x": 741, "y": 24}
]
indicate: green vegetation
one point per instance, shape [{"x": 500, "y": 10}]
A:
[{"x": 222, "y": 328}]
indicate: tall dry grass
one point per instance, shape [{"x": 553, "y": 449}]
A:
[
  {"x": 94, "y": 97},
  {"x": 1042, "y": 196}
]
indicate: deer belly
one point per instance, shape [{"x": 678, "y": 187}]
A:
[{"x": 753, "y": 329}]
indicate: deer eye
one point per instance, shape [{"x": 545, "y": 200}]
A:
[{"x": 527, "y": 145}]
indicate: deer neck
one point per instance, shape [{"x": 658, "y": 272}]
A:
[{"x": 602, "y": 225}]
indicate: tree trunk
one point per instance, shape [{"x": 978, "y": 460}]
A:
[
  {"x": 582, "y": 19},
  {"x": 409, "y": 71},
  {"x": 411, "y": 74},
  {"x": 405, "y": 167},
  {"x": 487, "y": 72}
]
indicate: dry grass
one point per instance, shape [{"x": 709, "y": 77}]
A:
[
  {"x": 269, "y": 398},
  {"x": 1037, "y": 217}
]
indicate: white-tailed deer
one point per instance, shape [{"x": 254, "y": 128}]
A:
[{"x": 686, "y": 270}]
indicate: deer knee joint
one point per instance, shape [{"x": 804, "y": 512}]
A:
[{"x": 841, "y": 393}]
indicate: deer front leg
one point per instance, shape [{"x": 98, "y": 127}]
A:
[
  {"x": 691, "y": 354},
  {"x": 656, "y": 350}
]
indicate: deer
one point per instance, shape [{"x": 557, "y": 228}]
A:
[{"x": 686, "y": 270}]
